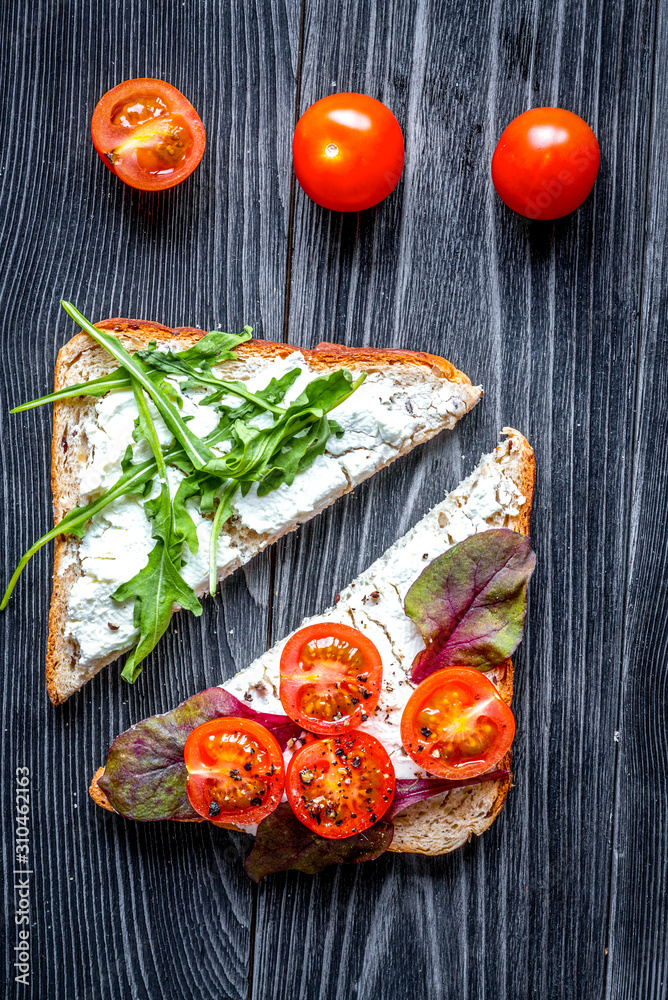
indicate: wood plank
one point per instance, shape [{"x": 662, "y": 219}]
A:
[
  {"x": 120, "y": 910},
  {"x": 637, "y": 960},
  {"x": 545, "y": 317}
]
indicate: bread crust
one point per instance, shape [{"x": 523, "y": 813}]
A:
[
  {"x": 81, "y": 358},
  {"x": 489, "y": 798}
]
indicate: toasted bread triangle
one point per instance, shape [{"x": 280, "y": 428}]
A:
[{"x": 81, "y": 359}]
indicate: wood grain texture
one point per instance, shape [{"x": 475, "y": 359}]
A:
[
  {"x": 120, "y": 910},
  {"x": 545, "y": 316},
  {"x": 562, "y": 324},
  {"x": 638, "y": 960}
]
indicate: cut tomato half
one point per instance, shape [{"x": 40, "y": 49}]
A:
[
  {"x": 456, "y": 724},
  {"x": 340, "y": 785},
  {"x": 330, "y": 678},
  {"x": 235, "y": 771},
  {"x": 148, "y": 134}
]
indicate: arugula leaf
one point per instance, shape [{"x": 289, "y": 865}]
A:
[
  {"x": 283, "y": 844},
  {"x": 215, "y": 345},
  {"x": 158, "y": 586},
  {"x": 258, "y": 450},
  {"x": 145, "y": 774},
  {"x": 196, "y": 450},
  {"x": 223, "y": 513},
  {"x": 117, "y": 379},
  {"x": 195, "y": 362},
  {"x": 74, "y": 522},
  {"x": 470, "y": 603},
  {"x": 187, "y": 489}
]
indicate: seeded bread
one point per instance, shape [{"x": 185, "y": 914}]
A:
[
  {"x": 82, "y": 359},
  {"x": 443, "y": 823}
]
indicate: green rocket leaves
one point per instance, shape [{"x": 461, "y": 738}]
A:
[{"x": 265, "y": 441}]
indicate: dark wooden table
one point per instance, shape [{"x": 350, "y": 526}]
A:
[{"x": 563, "y": 324}]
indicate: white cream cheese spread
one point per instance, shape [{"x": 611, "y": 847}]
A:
[{"x": 379, "y": 420}]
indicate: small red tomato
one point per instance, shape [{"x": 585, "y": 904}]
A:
[
  {"x": 545, "y": 163},
  {"x": 348, "y": 152},
  {"x": 235, "y": 771},
  {"x": 330, "y": 677},
  {"x": 341, "y": 785},
  {"x": 148, "y": 134},
  {"x": 456, "y": 724}
]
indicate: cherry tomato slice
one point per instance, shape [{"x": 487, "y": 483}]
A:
[
  {"x": 235, "y": 771},
  {"x": 340, "y": 785},
  {"x": 456, "y": 724},
  {"x": 348, "y": 152},
  {"x": 148, "y": 134},
  {"x": 330, "y": 678},
  {"x": 545, "y": 163}
]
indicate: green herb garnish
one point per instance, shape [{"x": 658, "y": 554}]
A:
[
  {"x": 267, "y": 443},
  {"x": 196, "y": 450},
  {"x": 159, "y": 585}
]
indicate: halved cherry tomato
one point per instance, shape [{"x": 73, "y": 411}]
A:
[
  {"x": 456, "y": 724},
  {"x": 545, "y": 163},
  {"x": 330, "y": 678},
  {"x": 148, "y": 134},
  {"x": 235, "y": 771},
  {"x": 340, "y": 785},
  {"x": 348, "y": 152}
]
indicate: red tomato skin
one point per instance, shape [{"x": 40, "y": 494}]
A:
[
  {"x": 370, "y": 157},
  {"x": 480, "y": 687},
  {"x": 353, "y": 742},
  {"x": 107, "y": 136},
  {"x": 290, "y": 689},
  {"x": 545, "y": 163},
  {"x": 199, "y": 775}
]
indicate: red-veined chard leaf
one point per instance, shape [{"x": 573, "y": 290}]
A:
[
  {"x": 145, "y": 774},
  {"x": 470, "y": 603},
  {"x": 283, "y": 844}
]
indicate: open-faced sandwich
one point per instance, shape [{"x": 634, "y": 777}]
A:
[
  {"x": 178, "y": 455},
  {"x": 382, "y": 724}
]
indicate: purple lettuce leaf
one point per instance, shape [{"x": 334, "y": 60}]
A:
[
  {"x": 412, "y": 790},
  {"x": 145, "y": 774},
  {"x": 282, "y": 844},
  {"x": 470, "y": 603}
]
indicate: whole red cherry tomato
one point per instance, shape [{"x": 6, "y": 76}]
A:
[
  {"x": 148, "y": 134},
  {"x": 348, "y": 152},
  {"x": 545, "y": 163}
]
